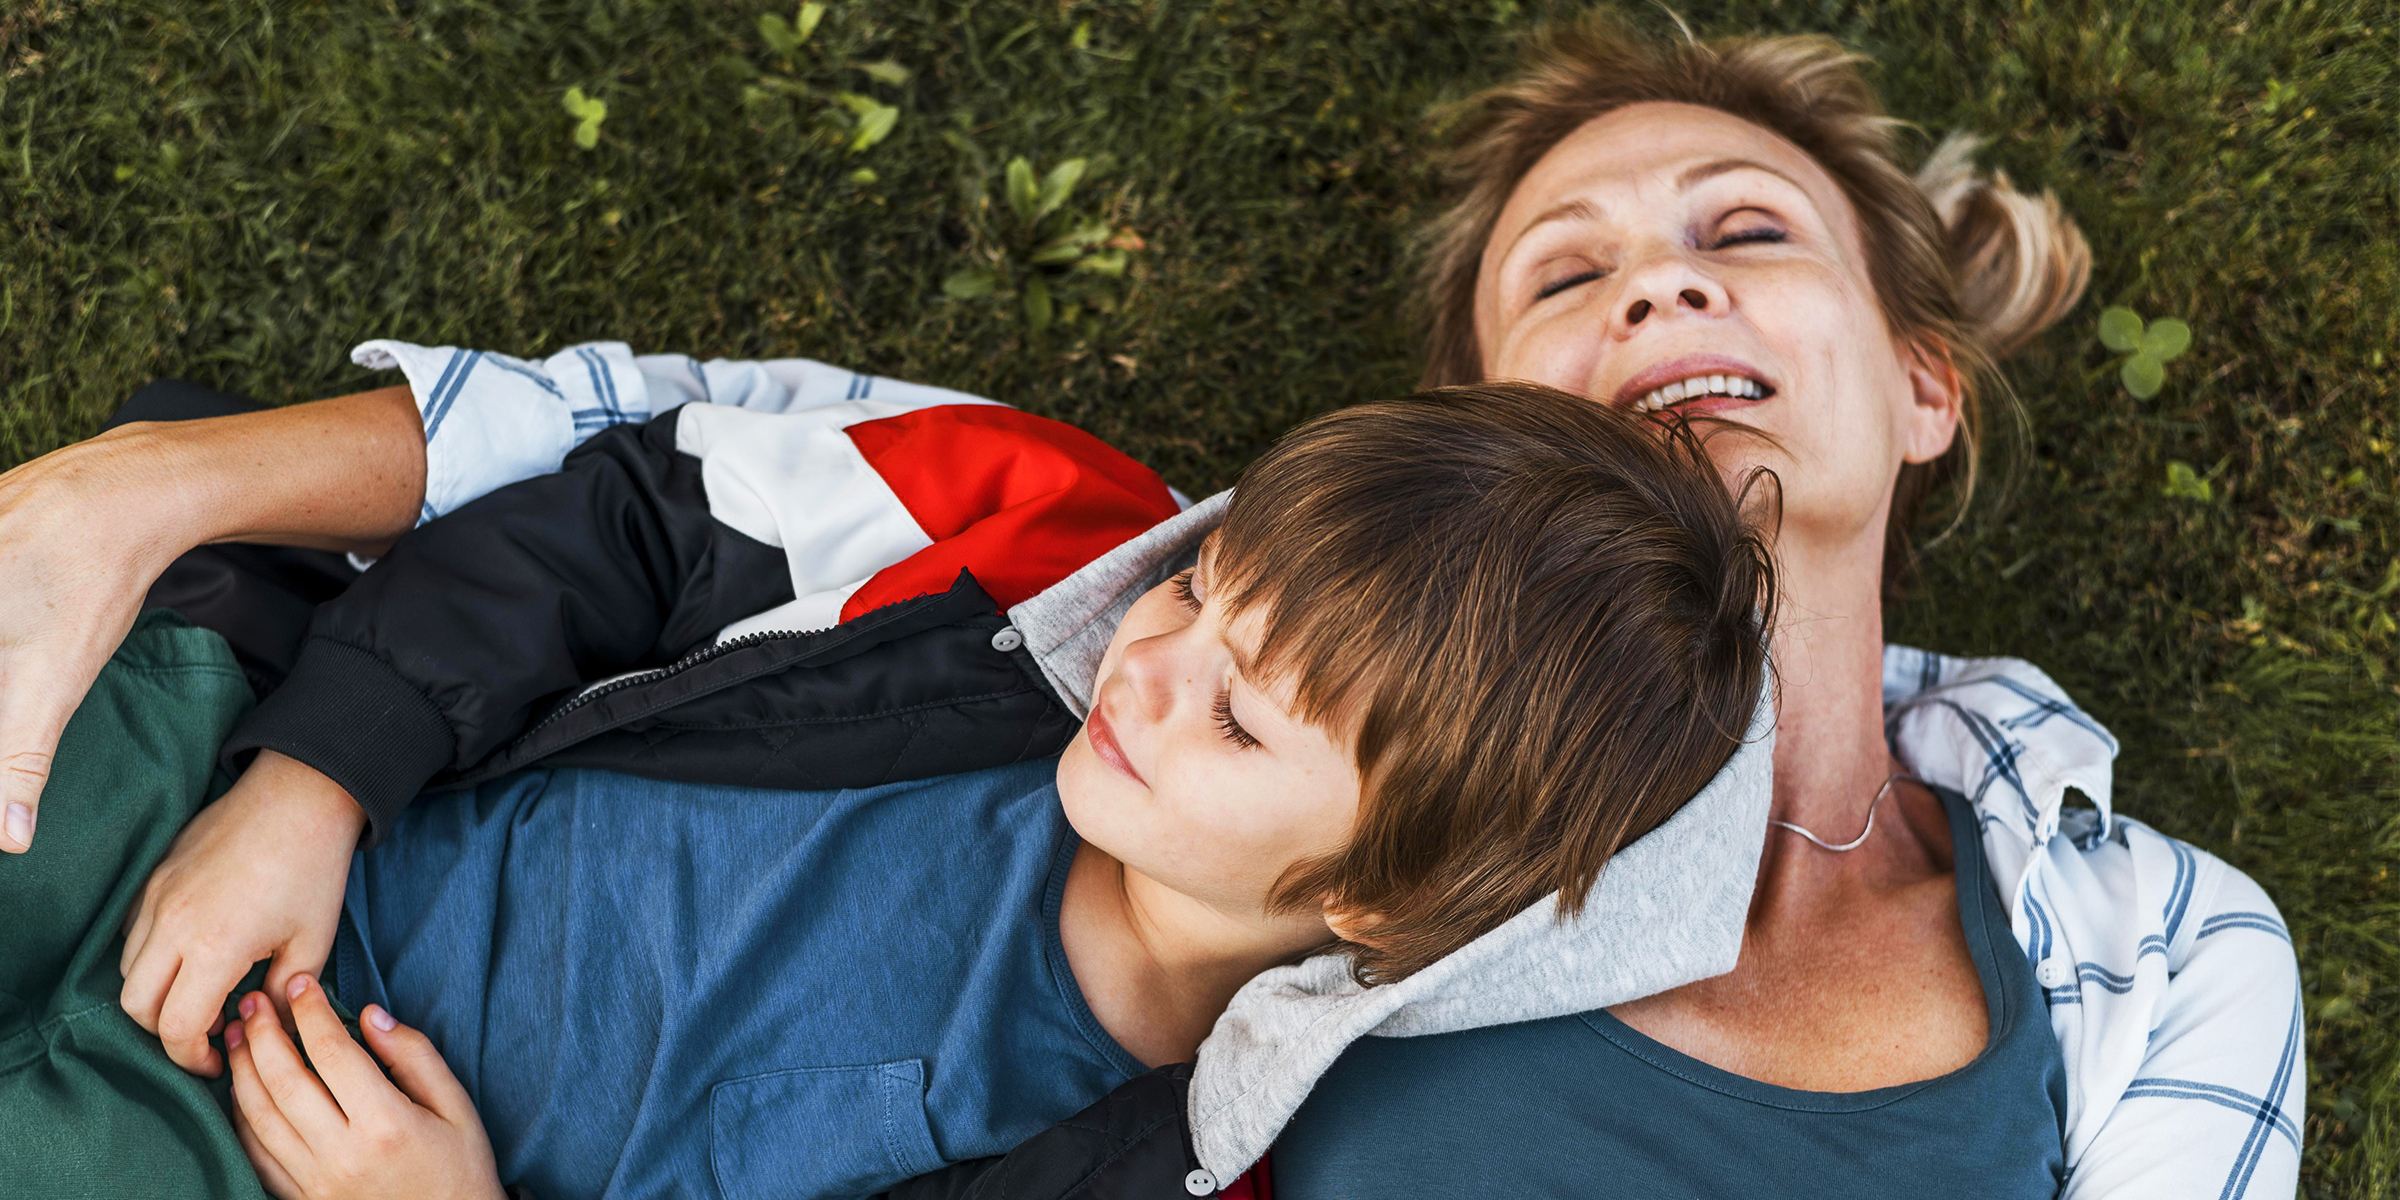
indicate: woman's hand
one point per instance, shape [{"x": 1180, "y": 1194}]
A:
[
  {"x": 85, "y": 530},
  {"x": 258, "y": 874},
  {"x": 343, "y": 1131}
]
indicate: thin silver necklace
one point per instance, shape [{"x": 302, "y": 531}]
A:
[{"x": 1861, "y": 839}]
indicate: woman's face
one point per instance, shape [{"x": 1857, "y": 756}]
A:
[
  {"x": 1674, "y": 256},
  {"x": 1195, "y": 771}
]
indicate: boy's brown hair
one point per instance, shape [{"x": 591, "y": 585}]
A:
[{"x": 1543, "y": 621}]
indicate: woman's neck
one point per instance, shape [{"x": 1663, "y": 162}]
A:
[
  {"x": 1158, "y": 967},
  {"x": 1830, "y": 752}
]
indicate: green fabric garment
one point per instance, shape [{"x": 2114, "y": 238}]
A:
[{"x": 90, "y": 1105}]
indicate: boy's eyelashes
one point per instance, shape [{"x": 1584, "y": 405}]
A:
[
  {"x": 1232, "y": 729},
  {"x": 1222, "y": 707}
]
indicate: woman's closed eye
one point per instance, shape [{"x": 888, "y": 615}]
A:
[
  {"x": 1182, "y": 583},
  {"x": 1576, "y": 280},
  {"x": 1754, "y": 233}
]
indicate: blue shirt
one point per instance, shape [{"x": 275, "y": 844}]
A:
[
  {"x": 1586, "y": 1106},
  {"x": 674, "y": 989}
]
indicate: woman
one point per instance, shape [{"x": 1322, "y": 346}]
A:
[{"x": 1725, "y": 227}]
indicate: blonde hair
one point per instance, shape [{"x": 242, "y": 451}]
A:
[{"x": 1964, "y": 265}]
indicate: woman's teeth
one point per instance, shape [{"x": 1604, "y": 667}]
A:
[{"x": 1732, "y": 387}]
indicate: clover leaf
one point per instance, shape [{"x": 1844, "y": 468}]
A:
[
  {"x": 588, "y": 112},
  {"x": 2148, "y": 348}
]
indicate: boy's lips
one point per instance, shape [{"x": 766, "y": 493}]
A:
[{"x": 1103, "y": 737}]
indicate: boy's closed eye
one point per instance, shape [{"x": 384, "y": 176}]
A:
[{"x": 1186, "y": 588}]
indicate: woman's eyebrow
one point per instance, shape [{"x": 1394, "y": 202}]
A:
[
  {"x": 1710, "y": 170},
  {"x": 1571, "y": 210}
]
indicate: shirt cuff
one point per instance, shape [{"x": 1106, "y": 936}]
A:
[{"x": 349, "y": 715}]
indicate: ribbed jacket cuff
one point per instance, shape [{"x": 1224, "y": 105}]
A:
[{"x": 347, "y": 714}]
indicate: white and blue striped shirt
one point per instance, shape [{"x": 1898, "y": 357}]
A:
[{"x": 2171, "y": 980}]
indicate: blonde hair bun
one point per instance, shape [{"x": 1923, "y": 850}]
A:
[{"x": 2020, "y": 260}]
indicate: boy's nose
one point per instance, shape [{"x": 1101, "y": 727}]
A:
[{"x": 1154, "y": 669}]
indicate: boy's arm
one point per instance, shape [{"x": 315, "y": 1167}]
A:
[
  {"x": 707, "y": 522},
  {"x": 428, "y": 662},
  {"x": 444, "y": 651}
]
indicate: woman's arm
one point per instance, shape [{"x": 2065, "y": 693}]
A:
[
  {"x": 2214, "y": 1109},
  {"x": 86, "y": 529}
]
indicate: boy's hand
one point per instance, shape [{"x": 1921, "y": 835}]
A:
[
  {"x": 258, "y": 874},
  {"x": 344, "y": 1131}
]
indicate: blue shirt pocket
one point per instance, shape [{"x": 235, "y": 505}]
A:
[{"x": 820, "y": 1131}]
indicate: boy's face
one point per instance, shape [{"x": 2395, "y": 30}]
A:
[{"x": 1195, "y": 772}]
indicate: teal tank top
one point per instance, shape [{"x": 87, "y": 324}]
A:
[{"x": 1585, "y": 1106}]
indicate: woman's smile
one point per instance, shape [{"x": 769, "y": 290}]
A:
[{"x": 1694, "y": 383}]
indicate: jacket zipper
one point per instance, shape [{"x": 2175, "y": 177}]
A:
[{"x": 687, "y": 662}]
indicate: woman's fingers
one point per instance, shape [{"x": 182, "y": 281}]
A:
[
  {"x": 417, "y": 1067},
  {"x": 271, "y": 1174},
  {"x": 33, "y": 712},
  {"x": 295, "y": 1090},
  {"x": 257, "y": 1107},
  {"x": 357, "y": 1085}
]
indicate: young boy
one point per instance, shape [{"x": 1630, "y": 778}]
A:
[{"x": 1443, "y": 658}]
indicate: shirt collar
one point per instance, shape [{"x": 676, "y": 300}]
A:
[{"x": 2002, "y": 732}]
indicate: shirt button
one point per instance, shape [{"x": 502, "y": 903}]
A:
[
  {"x": 2053, "y": 973},
  {"x": 1200, "y": 1183},
  {"x": 1006, "y": 641}
]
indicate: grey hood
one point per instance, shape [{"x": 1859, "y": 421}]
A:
[{"x": 1668, "y": 909}]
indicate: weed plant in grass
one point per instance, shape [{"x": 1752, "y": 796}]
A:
[{"x": 236, "y": 191}]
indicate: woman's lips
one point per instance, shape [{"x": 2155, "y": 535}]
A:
[
  {"x": 1103, "y": 737},
  {"x": 1688, "y": 367}
]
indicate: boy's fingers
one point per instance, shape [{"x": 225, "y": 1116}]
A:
[
  {"x": 137, "y": 935},
  {"x": 416, "y": 1066},
  {"x": 360, "y": 1088},
  {"x": 296, "y": 1091},
  {"x": 257, "y": 1108},
  {"x": 195, "y": 1003},
  {"x": 303, "y": 955},
  {"x": 271, "y": 1174},
  {"x": 145, "y": 990}
]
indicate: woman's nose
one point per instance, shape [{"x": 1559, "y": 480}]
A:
[{"x": 1667, "y": 284}]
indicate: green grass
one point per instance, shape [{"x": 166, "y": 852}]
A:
[{"x": 236, "y": 191}]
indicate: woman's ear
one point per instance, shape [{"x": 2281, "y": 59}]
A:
[
  {"x": 1937, "y": 393},
  {"x": 1352, "y": 926}
]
